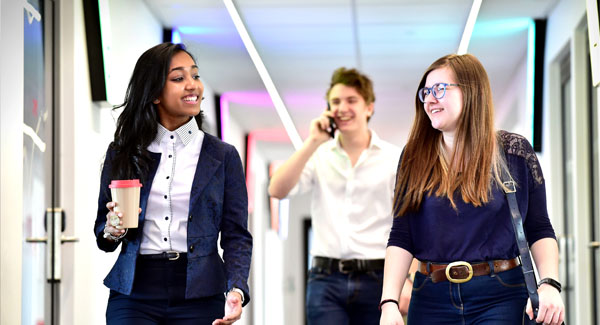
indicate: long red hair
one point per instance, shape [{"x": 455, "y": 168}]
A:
[{"x": 475, "y": 159}]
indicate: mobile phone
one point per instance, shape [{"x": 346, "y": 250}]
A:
[{"x": 332, "y": 126}]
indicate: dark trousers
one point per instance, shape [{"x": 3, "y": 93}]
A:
[
  {"x": 487, "y": 299},
  {"x": 342, "y": 299},
  {"x": 158, "y": 297}
]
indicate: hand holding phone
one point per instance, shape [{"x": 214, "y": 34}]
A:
[{"x": 332, "y": 126}]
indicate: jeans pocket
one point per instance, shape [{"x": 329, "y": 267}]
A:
[
  {"x": 113, "y": 294},
  {"x": 419, "y": 281},
  {"x": 511, "y": 278},
  {"x": 316, "y": 274},
  {"x": 377, "y": 276}
]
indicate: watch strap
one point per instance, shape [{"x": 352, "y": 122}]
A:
[
  {"x": 112, "y": 237},
  {"x": 551, "y": 282}
]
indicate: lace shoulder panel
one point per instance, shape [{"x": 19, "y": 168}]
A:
[{"x": 515, "y": 144}]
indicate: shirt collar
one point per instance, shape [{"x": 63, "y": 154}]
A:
[
  {"x": 186, "y": 132},
  {"x": 376, "y": 142}
]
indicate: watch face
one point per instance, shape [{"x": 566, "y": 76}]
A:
[{"x": 114, "y": 220}]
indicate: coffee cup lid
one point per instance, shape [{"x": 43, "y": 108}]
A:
[{"x": 125, "y": 183}]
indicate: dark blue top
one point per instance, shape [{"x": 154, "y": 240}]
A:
[{"x": 438, "y": 233}]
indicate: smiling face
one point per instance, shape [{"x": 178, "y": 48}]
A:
[
  {"x": 445, "y": 112},
  {"x": 349, "y": 109},
  {"x": 181, "y": 95}
]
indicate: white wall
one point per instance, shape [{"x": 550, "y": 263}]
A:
[
  {"x": 11, "y": 154},
  {"x": 86, "y": 130},
  {"x": 511, "y": 106},
  {"x": 278, "y": 277},
  {"x": 293, "y": 261}
]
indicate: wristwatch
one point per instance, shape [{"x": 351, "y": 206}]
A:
[
  {"x": 112, "y": 237},
  {"x": 551, "y": 282}
]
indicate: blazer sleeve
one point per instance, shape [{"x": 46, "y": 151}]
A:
[
  {"x": 236, "y": 240},
  {"x": 104, "y": 197}
]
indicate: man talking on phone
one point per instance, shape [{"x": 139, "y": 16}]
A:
[{"x": 351, "y": 175}]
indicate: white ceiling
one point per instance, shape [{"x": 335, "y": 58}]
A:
[{"x": 302, "y": 41}]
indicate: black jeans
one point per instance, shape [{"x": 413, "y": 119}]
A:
[{"x": 158, "y": 297}]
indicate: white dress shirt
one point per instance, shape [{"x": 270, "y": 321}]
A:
[
  {"x": 165, "y": 226},
  {"x": 351, "y": 207}
]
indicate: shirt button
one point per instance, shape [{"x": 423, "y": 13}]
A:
[
  {"x": 167, "y": 218},
  {"x": 190, "y": 218},
  {"x": 191, "y": 248},
  {"x": 168, "y": 177},
  {"x": 190, "y": 132},
  {"x": 165, "y": 196},
  {"x": 165, "y": 239},
  {"x": 172, "y": 137},
  {"x": 170, "y": 156}
]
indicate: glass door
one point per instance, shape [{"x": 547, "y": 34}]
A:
[
  {"x": 566, "y": 241},
  {"x": 43, "y": 223},
  {"x": 37, "y": 173}
]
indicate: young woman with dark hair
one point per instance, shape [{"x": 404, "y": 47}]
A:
[
  {"x": 450, "y": 207},
  {"x": 169, "y": 270}
]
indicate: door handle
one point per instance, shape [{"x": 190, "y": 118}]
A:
[
  {"x": 594, "y": 244},
  {"x": 53, "y": 241},
  {"x": 36, "y": 239},
  {"x": 63, "y": 239}
]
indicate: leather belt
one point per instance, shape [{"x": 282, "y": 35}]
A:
[
  {"x": 459, "y": 272},
  {"x": 347, "y": 266},
  {"x": 171, "y": 256}
]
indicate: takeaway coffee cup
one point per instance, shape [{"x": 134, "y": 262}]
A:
[{"x": 127, "y": 195}]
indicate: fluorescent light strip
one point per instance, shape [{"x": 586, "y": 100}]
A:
[
  {"x": 175, "y": 36},
  {"x": 288, "y": 124},
  {"x": 530, "y": 90},
  {"x": 466, "y": 37}
]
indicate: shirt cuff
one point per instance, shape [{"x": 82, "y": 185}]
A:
[{"x": 238, "y": 290}]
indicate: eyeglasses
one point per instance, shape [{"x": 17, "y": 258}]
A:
[{"x": 438, "y": 90}]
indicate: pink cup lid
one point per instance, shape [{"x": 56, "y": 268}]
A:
[{"x": 125, "y": 183}]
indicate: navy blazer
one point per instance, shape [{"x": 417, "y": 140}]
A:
[{"x": 218, "y": 204}]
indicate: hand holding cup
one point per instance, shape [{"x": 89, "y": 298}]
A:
[
  {"x": 113, "y": 220},
  {"x": 126, "y": 195}
]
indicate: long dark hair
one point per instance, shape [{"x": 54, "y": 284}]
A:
[{"x": 137, "y": 124}]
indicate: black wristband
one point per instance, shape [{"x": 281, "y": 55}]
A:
[
  {"x": 551, "y": 282},
  {"x": 383, "y": 302}
]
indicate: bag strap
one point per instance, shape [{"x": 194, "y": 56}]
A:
[
  {"x": 526, "y": 264},
  {"x": 510, "y": 190}
]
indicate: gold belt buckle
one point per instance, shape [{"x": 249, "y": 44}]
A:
[{"x": 459, "y": 263}]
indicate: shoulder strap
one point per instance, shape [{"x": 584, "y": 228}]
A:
[{"x": 517, "y": 222}]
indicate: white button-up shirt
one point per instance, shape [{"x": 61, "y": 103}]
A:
[
  {"x": 351, "y": 207},
  {"x": 165, "y": 228}
]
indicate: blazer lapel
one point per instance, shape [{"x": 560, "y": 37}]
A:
[
  {"x": 145, "y": 190},
  {"x": 208, "y": 163}
]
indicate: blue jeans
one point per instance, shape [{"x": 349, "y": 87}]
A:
[
  {"x": 488, "y": 299},
  {"x": 341, "y": 299}
]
